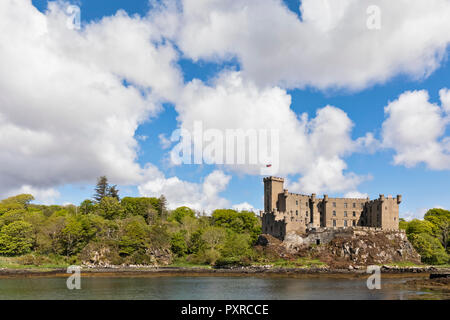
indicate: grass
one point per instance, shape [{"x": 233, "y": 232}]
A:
[
  {"x": 298, "y": 263},
  {"x": 182, "y": 263},
  {"x": 403, "y": 264},
  {"x": 14, "y": 263},
  {"x": 412, "y": 264}
]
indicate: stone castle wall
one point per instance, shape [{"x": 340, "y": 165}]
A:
[{"x": 286, "y": 212}]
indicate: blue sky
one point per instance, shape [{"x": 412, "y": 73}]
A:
[{"x": 420, "y": 186}]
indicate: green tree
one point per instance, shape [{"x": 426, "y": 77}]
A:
[
  {"x": 429, "y": 248},
  {"x": 214, "y": 237},
  {"x": 113, "y": 192},
  {"x": 402, "y": 224},
  {"x": 22, "y": 199},
  {"x": 178, "y": 244},
  {"x": 148, "y": 208},
  {"x": 179, "y": 213},
  {"x": 76, "y": 234},
  {"x": 101, "y": 190},
  {"x": 87, "y": 206},
  {"x": 419, "y": 226},
  {"x": 16, "y": 238},
  {"x": 110, "y": 208},
  {"x": 440, "y": 218},
  {"x": 239, "y": 222},
  {"x": 163, "y": 207},
  {"x": 134, "y": 236}
]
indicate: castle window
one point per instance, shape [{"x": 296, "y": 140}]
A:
[
  {"x": 296, "y": 212},
  {"x": 334, "y": 213},
  {"x": 345, "y": 204},
  {"x": 354, "y": 205},
  {"x": 354, "y": 222},
  {"x": 296, "y": 202},
  {"x": 345, "y": 223},
  {"x": 354, "y": 213},
  {"x": 345, "y": 213},
  {"x": 334, "y": 204},
  {"x": 334, "y": 223}
]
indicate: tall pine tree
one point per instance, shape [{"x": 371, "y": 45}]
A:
[{"x": 101, "y": 190}]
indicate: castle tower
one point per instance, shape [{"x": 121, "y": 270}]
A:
[{"x": 272, "y": 187}]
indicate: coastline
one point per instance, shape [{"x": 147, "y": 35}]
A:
[{"x": 121, "y": 271}]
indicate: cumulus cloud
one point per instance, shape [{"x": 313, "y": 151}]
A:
[
  {"x": 417, "y": 214},
  {"x": 356, "y": 195},
  {"x": 244, "y": 206},
  {"x": 71, "y": 100},
  {"x": 314, "y": 148},
  {"x": 330, "y": 47},
  {"x": 44, "y": 196},
  {"x": 198, "y": 196},
  {"x": 415, "y": 129}
]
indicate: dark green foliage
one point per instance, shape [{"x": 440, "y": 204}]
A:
[
  {"x": 239, "y": 222},
  {"x": 178, "y": 244},
  {"x": 148, "y": 208},
  {"x": 101, "y": 190}
]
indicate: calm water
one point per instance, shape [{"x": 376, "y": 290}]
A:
[{"x": 202, "y": 288}]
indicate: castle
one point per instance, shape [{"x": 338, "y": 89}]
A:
[{"x": 286, "y": 212}]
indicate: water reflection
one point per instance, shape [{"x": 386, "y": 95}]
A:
[{"x": 241, "y": 288}]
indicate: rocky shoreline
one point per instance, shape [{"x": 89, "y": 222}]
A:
[{"x": 230, "y": 271}]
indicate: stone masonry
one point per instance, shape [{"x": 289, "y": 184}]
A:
[{"x": 286, "y": 212}]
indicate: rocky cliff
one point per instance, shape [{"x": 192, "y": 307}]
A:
[{"x": 344, "y": 248}]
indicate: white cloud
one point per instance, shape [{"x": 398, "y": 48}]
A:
[
  {"x": 415, "y": 127},
  {"x": 330, "y": 48},
  {"x": 65, "y": 115},
  {"x": 356, "y": 195},
  {"x": 198, "y": 196},
  {"x": 417, "y": 214},
  {"x": 164, "y": 141},
  {"x": 244, "y": 206},
  {"x": 42, "y": 196},
  {"x": 313, "y": 147}
]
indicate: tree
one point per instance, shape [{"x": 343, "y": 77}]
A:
[
  {"x": 178, "y": 244},
  {"x": 419, "y": 226},
  {"x": 101, "y": 190},
  {"x": 134, "y": 236},
  {"x": 110, "y": 208},
  {"x": 179, "y": 213},
  {"x": 429, "y": 248},
  {"x": 87, "y": 206},
  {"x": 16, "y": 238},
  {"x": 148, "y": 208},
  {"x": 113, "y": 192},
  {"x": 21, "y": 201},
  {"x": 402, "y": 224},
  {"x": 440, "y": 218},
  {"x": 239, "y": 222},
  {"x": 162, "y": 207}
]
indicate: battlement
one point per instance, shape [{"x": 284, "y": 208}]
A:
[
  {"x": 285, "y": 211},
  {"x": 273, "y": 179}
]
